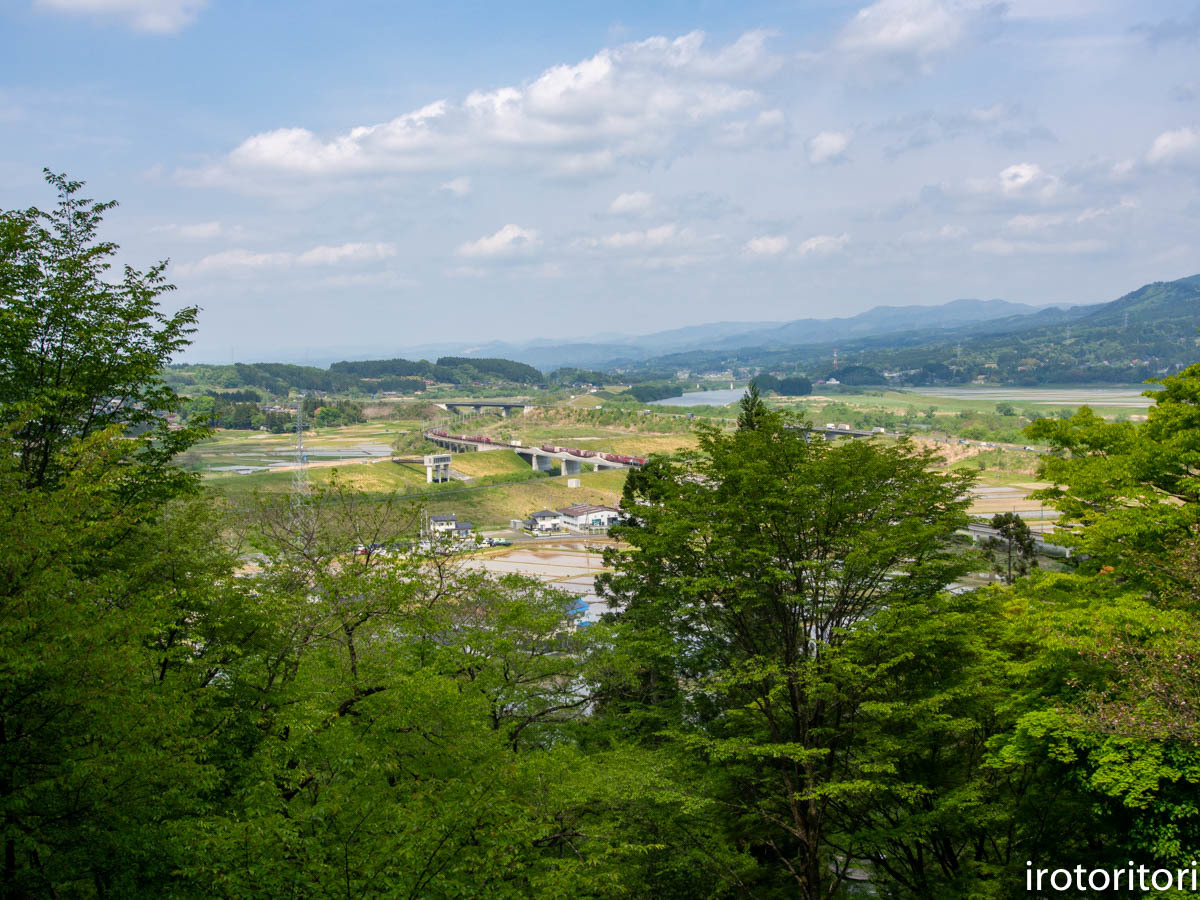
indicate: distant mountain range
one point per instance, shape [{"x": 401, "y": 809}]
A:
[
  {"x": 617, "y": 350},
  {"x": 1147, "y": 332}
]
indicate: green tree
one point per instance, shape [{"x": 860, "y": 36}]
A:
[
  {"x": 201, "y": 407},
  {"x": 751, "y": 409},
  {"x": 410, "y": 732},
  {"x": 1124, "y": 628},
  {"x": 115, "y": 607},
  {"x": 1013, "y": 551},
  {"x": 80, "y": 353},
  {"x": 751, "y": 561}
]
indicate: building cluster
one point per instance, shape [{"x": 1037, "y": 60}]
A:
[{"x": 580, "y": 517}]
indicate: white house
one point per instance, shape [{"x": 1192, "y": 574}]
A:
[
  {"x": 443, "y": 524},
  {"x": 587, "y": 516},
  {"x": 545, "y": 520}
]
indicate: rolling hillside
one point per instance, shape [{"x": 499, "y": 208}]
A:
[{"x": 1147, "y": 332}]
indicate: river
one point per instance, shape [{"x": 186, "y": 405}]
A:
[{"x": 703, "y": 398}]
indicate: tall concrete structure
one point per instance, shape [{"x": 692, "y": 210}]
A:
[
  {"x": 437, "y": 467},
  {"x": 479, "y": 406}
]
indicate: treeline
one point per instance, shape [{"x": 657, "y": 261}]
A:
[
  {"x": 234, "y": 410},
  {"x": 568, "y": 376},
  {"x": 791, "y": 694},
  {"x": 788, "y": 386},
  {"x": 363, "y": 376},
  {"x": 449, "y": 369},
  {"x": 497, "y": 369},
  {"x": 221, "y": 412}
]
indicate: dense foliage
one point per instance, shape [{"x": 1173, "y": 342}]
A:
[
  {"x": 648, "y": 393},
  {"x": 502, "y": 369},
  {"x": 79, "y": 353},
  {"x": 788, "y": 385},
  {"x": 790, "y": 696},
  {"x": 366, "y": 377}
]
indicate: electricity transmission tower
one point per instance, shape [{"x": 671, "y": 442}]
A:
[{"x": 300, "y": 475}]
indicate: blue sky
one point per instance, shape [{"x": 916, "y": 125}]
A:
[{"x": 363, "y": 177}]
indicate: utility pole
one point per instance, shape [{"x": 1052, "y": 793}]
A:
[
  {"x": 300, "y": 498},
  {"x": 300, "y": 487}
]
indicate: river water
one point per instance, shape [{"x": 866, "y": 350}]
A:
[{"x": 703, "y": 398}]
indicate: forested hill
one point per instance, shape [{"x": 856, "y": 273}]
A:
[
  {"x": 1145, "y": 333},
  {"x": 370, "y": 375},
  {"x": 1158, "y": 303}
]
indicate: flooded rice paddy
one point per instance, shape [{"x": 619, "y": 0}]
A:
[
  {"x": 1123, "y": 396},
  {"x": 569, "y": 567}
]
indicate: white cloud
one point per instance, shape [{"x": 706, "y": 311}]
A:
[
  {"x": 1021, "y": 180},
  {"x": 231, "y": 260},
  {"x": 199, "y": 231},
  {"x": 624, "y": 240},
  {"x": 508, "y": 241},
  {"x": 823, "y": 244},
  {"x": 909, "y": 33},
  {"x": 662, "y": 247},
  {"x": 332, "y": 256},
  {"x": 767, "y": 128},
  {"x": 1096, "y": 212},
  {"x": 1002, "y": 247},
  {"x": 1022, "y": 176},
  {"x": 767, "y": 245},
  {"x": 828, "y": 146},
  {"x": 154, "y": 16},
  {"x": 933, "y": 235},
  {"x": 678, "y": 261},
  {"x": 633, "y": 203},
  {"x": 1034, "y": 221},
  {"x": 459, "y": 187},
  {"x": 1179, "y": 146},
  {"x": 243, "y": 260},
  {"x": 638, "y": 101}
]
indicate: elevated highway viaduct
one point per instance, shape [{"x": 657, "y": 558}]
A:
[
  {"x": 480, "y": 406},
  {"x": 542, "y": 460}
]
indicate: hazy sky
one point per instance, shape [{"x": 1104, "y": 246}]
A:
[{"x": 364, "y": 176}]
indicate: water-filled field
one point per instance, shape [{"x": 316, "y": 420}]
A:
[{"x": 1122, "y": 396}]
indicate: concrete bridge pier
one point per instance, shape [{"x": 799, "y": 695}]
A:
[
  {"x": 437, "y": 468},
  {"x": 571, "y": 467},
  {"x": 538, "y": 462}
]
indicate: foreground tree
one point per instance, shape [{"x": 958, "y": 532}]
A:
[
  {"x": 752, "y": 561},
  {"x": 1012, "y": 552},
  {"x": 80, "y": 352},
  {"x": 1128, "y": 620},
  {"x": 751, "y": 409},
  {"x": 112, "y": 612}
]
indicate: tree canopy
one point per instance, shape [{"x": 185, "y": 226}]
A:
[{"x": 796, "y": 691}]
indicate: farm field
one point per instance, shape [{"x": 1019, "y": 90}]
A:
[
  {"x": 951, "y": 401},
  {"x": 497, "y": 486},
  {"x": 1108, "y": 397}
]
